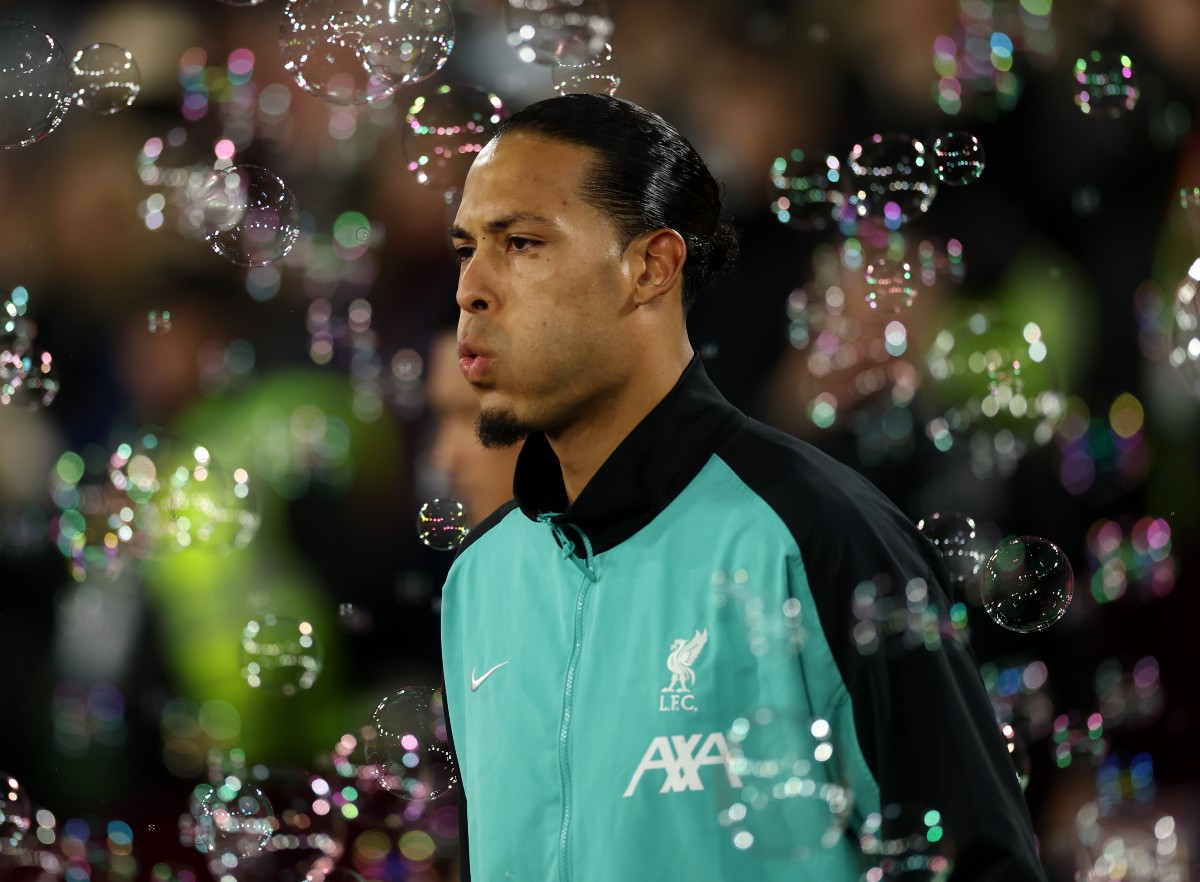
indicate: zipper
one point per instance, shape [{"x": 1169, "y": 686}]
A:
[{"x": 564, "y": 873}]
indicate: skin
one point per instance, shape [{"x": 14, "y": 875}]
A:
[
  {"x": 585, "y": 337},
  {"x": 482, "y": 478}
]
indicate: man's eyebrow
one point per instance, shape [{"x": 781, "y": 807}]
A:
[{"x": 501, "y": 224}]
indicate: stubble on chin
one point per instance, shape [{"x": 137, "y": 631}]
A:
[{"x": 497, "y": 429}]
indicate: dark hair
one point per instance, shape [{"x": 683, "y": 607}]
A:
[{"x": 646, "y": 177}]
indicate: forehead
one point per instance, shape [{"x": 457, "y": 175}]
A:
[{"x": 519, "y": 173}]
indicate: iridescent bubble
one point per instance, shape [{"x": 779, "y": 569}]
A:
[
  {"x": 234, "y": 820},
  {"x": 779, "y": 792},
  {"x": 444, "y": 132},
  {"x": 442, "y": 524},
  {"x": 907, "y": 843},
  {"x": 407, "y": 745},
  {"x": 543, "y": 31},
  {"x": 1106, "y": 86},
  {"x": 890, "y": 285},
  {"x": 32, "y": 384},
  {"x": 1027, "y": 584},
  {"x": 993, "y": 380},
  {"x": 1183, "y": 331},
  {"x": 250, "y": 215},
  {"x": 807, "y": 190},
  {"x": 356, "y": 51},
  {"x": 35, "y": 84},
  {"x": 957, "y": 158},
  {"x": 281, "y": 655},
  {"x": 16, "y": 815},
  {"x": 959, "y": 542},
  {"x": 598, "y": 74},
  {"x": 888, "y": 178},
  {"x": 105, "y": 78}
]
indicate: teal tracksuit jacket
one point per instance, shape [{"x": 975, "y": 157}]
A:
[{"x": 686, "y": 673}]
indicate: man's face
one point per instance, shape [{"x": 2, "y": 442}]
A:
[
  {"x": 482, "y": 479},
  {"x": 544, "y": 287}
]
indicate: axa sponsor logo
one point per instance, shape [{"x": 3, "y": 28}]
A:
[
  {"x": 680, "y": 758},
  {"x": 677, "y": 695}
]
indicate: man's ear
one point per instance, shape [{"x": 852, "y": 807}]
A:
[{"x": 662, "y": 254}]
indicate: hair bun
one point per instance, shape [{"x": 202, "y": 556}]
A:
[{"x": 722, "y": 256}]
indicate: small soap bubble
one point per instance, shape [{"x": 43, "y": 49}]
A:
[
  {"x": 957, "y": 158},
  {"x": 357, "y": 51},
  {"x": 961, "y": 545},
  {"x": 778, "y": 789},
  {"x": 105, "y": 78},
  {"x": 250, "y": 216},
  {"x": 234, "y": 820},
  {"x": 442, "y": 524},
  {"x": 889, "y": 179},
  {"x": 32, "y": 384},
  {"x": 1106, "y": 86},
  {"x": 16, "y": 814},
  {"x": 599, "y": 74},
  {"x": 1183, "y": 331},
  {"x": 159, "y": 321},
  {"x": 807, "y": 190},
  {"x": 35, "y": 84},
  {"x": 280, "y": 654},
  {"x": 444, "y": 132},
  {"x": 1027, "y": 584},
  {"x": 890, "y": 285},
  {"x": 407, "y": 747},
  {"x": 543, "y": 31},
  {"x": 907, "y": 842}
]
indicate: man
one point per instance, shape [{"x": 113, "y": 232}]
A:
[
  {"x": 653, "y": 664},
  {"x": 481, "y": 478}
]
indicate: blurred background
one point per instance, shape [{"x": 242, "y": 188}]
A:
[{"x": 226, "y": 447}]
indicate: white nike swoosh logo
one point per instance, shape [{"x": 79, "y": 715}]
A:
[{"x": 476, "y": 683}]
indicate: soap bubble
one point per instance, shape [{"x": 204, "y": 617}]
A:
[
  {"x": 407, "y": 745},
  {"x": 890, "y": 285},
  {"x": 250, "y": 216},
  {"x": 1106, "y": 86},
  {"x": 957, "y": 158},
  {"x": 779, "y": 789},
  {"x": 280, "y": 654},
  {"x": 1183, "y": 331},
  {"x": 444, "y": 132},
  {"x": 889, "y": 179},
  {"x": 16, "y": 814},
  {"x": 994, "y": 380},
  {"x": 105, "y": 78},
  {"x": 233, "y": 820},
  {"x": 29, "y": 380},
  {"x": 180, "y": 497},
  {"x": 35, "y": 84},
  {"x": 598, "y": 74},
  {"x": 356, "y": 51},
  {"x": 807, "y": 190},
  {"x": 442, "y": 524},
  {"x": 159, "y": 321},
  {"x": 543, "y": 31},
  {"x": 1027, "y": 584},
  {"x": 907, "y": 843},
  {"x": 959, "y": 542}
]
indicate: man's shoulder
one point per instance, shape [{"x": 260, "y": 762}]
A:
[{"x": 486, "y": 526}]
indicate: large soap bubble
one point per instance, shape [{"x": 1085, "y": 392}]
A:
[
  {"x": 35, "y": 84},
  {"x": 1105, "y": 84},
  {"x": 543, "y": 31},
  {"x": 444, "y": 132},
  {"x": 407, "y": 744},
  {"x": 599, "y": 74},
  {"x": 234, "y": 820},
  {"x": 889, "y": 179},
  {"x": 280, "y": 654},
  {"x": 251, "y": 216},
  {"x": 1027, "y": 584},
  {"x": 357, "y": 51},
  {"x": 105, "y": 78},
  {"x": 959, "y": 542},
  {"x": 807, "y": 190}
]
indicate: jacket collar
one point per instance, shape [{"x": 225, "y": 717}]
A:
[{"x": 652, "y": 466}]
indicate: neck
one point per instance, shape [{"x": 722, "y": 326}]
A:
[{"x": 583, "y": 445}]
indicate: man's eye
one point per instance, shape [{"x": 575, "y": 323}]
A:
[
  {"x": 463, "y": 253},
  {"x": 521, "y": 244}
]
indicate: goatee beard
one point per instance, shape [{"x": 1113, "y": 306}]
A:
[{"x": 500, "y": 428}]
